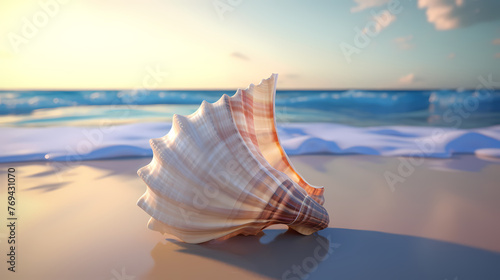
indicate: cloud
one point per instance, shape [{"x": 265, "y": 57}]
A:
[
  {"x": 365, "y": 4},
  {"x": 451, "y": 56},
  {"x": 408, "y": 79},
  {"x": 239, "y": 55},
  {"x": 404, "y": 42},
  {"x": 496, "y": 41},
  {"x": 451, "y": 14}
]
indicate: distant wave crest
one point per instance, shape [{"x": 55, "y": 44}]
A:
[{"x": 389, "y": 101}]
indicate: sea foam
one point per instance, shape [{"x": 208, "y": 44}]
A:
[{"x": 72, "y": 143}]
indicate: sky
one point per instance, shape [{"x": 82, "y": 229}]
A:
[{"x": 228, "y": 44}]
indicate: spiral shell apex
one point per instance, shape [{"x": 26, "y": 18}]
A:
[{"x": 221, "y": 171}]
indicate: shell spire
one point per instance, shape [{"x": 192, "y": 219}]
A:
[{"x": 221, "y": 171}]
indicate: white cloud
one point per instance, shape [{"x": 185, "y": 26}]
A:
[
  {"x": 496, "y": 41},
  {"x": 404, "y": 43},
  {"x": 451, "y": 56},
  {"x": 451, "y": 14},
  {"x": 365, "y": 4},
  {"x": 408, "y": 79}
]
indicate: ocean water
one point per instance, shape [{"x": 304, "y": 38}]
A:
[{"x": 81, "y": 125}]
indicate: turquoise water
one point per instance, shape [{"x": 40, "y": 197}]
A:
[
  {"x": 444, "y": 108},
  {"x": 84, "y": 125}
]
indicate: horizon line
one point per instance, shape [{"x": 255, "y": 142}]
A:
[{"x": 232, "y": 89}]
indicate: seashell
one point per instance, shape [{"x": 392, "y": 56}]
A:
[{"x": 221, "y": 171}]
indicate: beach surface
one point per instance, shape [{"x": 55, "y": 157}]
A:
[{"x": 390, "y": 218}]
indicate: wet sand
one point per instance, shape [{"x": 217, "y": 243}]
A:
[{"x": 439, "y": 221}]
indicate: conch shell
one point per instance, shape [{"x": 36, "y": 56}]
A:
[{"x": 221, "y": 171}]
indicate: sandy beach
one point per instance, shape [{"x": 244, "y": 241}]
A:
[
  {"x": 392, "y": 106},
  {"x": 79, "y": 220}
]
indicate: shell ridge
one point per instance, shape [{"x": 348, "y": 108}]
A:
[
  {"x": 261, "y": 167},
  {"x": 181, "y": 137},
  {"x": 153, "y": 195},
  {"x": 225, "y": 101},
  {"x": 268, "y": 169},
  {"x": 300, "y": 210},
  {"x": 262, "y": 81},
  {"x": 181, "y": 214},
  {"x": 210, "y": 107},
  {"x": 180, "y": 167}
]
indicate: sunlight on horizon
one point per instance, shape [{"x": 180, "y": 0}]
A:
[{"x": 173, "y": 45}]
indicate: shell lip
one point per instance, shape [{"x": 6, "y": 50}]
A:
[{"x": 275, "y": 76}]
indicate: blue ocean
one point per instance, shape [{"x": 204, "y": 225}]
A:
[{"x": 83, "y": 125}]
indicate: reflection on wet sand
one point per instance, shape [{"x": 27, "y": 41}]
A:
[{"x": 80, "y": 220}]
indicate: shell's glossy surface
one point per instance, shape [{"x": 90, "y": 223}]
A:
[{"x": 221, "y": 171}]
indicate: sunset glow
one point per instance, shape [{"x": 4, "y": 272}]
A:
[{"x": 52, "y": 44}]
